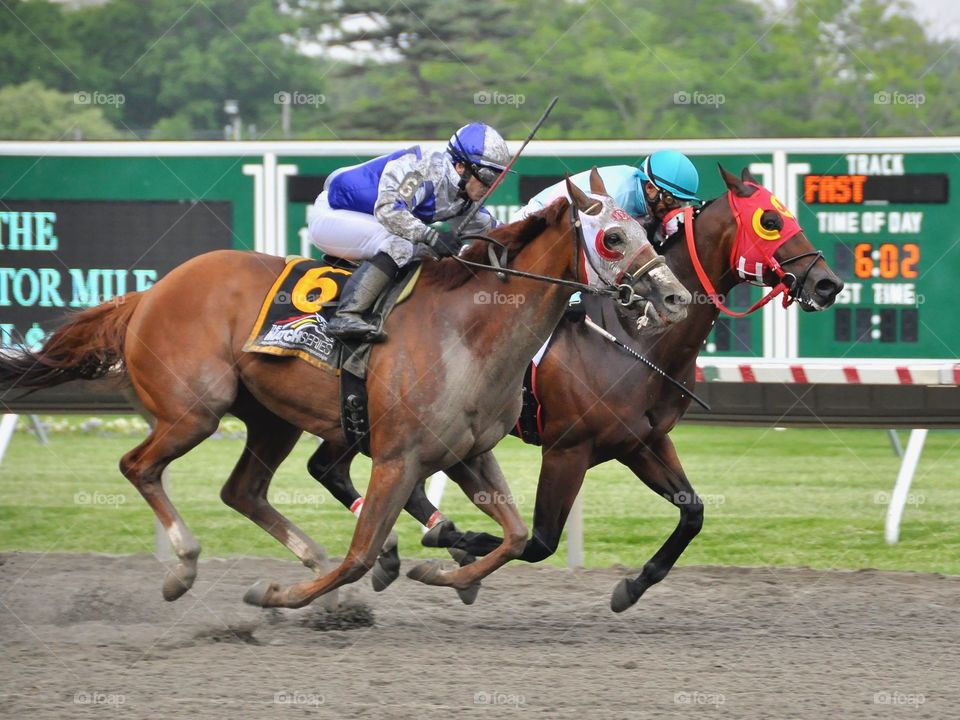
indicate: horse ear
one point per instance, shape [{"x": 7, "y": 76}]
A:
[
  {"x": 579, "y": 197},
  {"x": 733, "y": 182},
  {"x": 596, "y": 183},
  {"x": 747, "y": 177}
]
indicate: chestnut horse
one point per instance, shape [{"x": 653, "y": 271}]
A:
[
  {"x": 601, "y": 404},
  {"x": 442, "y": 392}
]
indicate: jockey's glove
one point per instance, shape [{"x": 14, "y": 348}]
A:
[{"x": 443, "y": 242}]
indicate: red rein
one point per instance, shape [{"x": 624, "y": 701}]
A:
[{"x": 780, "y": 288}]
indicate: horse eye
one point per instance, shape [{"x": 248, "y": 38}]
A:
[
  {"x": 771, "y": 221},
  {"x": 614, "y": 238}
]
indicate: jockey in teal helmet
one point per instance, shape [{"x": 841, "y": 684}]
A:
[{"x": 664, "y": 181}]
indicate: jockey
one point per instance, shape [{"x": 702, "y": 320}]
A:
[
  {"x": 665, "y": 181},
  {"x": 380, "y": 210}
]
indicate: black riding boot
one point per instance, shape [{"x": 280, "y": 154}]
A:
[{"x": 359, "y": 294}]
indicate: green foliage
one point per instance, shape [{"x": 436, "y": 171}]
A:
[
  {"x": 662, "y": 68},
  {"x": 33, "y": 112}
]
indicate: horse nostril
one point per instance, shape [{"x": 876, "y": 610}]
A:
[
  {"x": 675, "y": 301},
  {"x": 828, "y": 288}
]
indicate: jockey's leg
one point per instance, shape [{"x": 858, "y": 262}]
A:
[
  {"x": 358, "y": 236},
  {"x": 358, "y": 296}
]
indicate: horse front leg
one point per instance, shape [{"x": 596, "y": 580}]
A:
[
  {"x": 482, "y": 480},
  {"x": 330, "y": 466},
  {"x": 658, "y": 466},
  {"x": 561, "y": 476},
  {"x": 390, "y": 486}
]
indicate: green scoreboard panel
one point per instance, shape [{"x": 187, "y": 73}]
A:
[
  {"x": 76, "y": 231},
  {"x": 80, "y": 222},
  {"x": 534, "y": 172},
  {"x": 888, "y": 225}
]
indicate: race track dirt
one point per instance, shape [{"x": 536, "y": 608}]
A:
[{"x": 90, "y": 636}]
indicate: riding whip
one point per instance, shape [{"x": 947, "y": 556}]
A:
[
  {"x": 493, "y": 186},
  {"x": 623, "y": 346}
]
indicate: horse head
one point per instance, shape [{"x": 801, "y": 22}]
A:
[
  {"x": 615, "y": 250},
  {"x": 767, "y": 246}
]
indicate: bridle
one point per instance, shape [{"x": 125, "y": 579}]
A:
[
  {"x": 623, "y": 293},
  {"x": 790, "y": 285}
]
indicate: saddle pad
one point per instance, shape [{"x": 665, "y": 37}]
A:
[{"x": 294, "y": 315}]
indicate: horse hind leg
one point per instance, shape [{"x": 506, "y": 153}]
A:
[
  {"x": 269, "y": 442},
  {"x": 143, "y": 467}
]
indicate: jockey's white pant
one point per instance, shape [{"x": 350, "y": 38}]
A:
[{"x": 354, "y": 235}]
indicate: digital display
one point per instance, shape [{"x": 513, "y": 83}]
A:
[
  {"x": 887, "y": 261},
  {"x": 877, "y": 189},
  {"x": 891, "y": 225},
  {"x": 60, "y": 256}
]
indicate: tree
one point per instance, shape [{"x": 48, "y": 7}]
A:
[
  {"x": 420, "y": 63},
  {"x": 31, "y": 111}
]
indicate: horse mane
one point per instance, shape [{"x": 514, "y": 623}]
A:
[{"x": 449, "y": 274}]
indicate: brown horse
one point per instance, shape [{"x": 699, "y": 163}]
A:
[
  {"x": 442, "y": 392},
  {"x": 601, "y": 404}
]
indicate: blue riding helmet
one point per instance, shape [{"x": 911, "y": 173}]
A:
[
  {"x": 672, "y": 172},
  {"x": 481, "y": 149}
]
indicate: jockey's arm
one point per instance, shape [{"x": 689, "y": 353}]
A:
[{"x": 405, "y": 183}]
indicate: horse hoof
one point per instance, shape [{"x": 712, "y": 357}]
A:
[
  {"x": 258, "y": 593},
  {"x": 431, "y": 538},
  {"x": 469, "y": 596},
  {"x": 623, "y": 596},
  {"x": 425, "y": 572},
  {"x": 176, "y": 583},
  {"x": 386, "y": 570},
  {"x": 461, "y": 556}
]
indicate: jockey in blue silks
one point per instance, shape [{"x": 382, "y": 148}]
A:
[
  {"x": 380, "y": 210},
  {"x": 665, "y": 181}
]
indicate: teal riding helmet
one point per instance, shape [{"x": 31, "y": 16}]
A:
[{"x": 672, "y": 172}]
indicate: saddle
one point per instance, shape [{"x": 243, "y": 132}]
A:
[
  {"x": 529, "y": 426},
  {"x": 293, "y": 319}
]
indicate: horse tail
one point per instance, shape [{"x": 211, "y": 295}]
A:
[{"x": 88, "y": 346}]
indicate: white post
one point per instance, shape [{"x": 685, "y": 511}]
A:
[
  {"x": 283, "y": 172},
  {"x": 898, "y": 500},
  {"x": 8, "y": 424},
  {"x": 575, "y": 534},
  {"x": 259, "y": 233}
]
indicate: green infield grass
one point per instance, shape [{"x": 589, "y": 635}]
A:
[{"x": 797, "y": 497}]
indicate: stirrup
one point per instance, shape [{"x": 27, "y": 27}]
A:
[{"x": 356, "y": 330}]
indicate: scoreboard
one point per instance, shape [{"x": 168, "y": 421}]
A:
[
  {"x": 80, "y": 222},
  {"x": 888, "y": 225}
]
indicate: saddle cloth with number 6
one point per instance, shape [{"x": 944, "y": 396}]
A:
[{"x": 294, "y": 315}]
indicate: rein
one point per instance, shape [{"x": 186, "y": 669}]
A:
[
  {"x": 782, "y": 288},
  {"x": 622, "y": 293}
]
